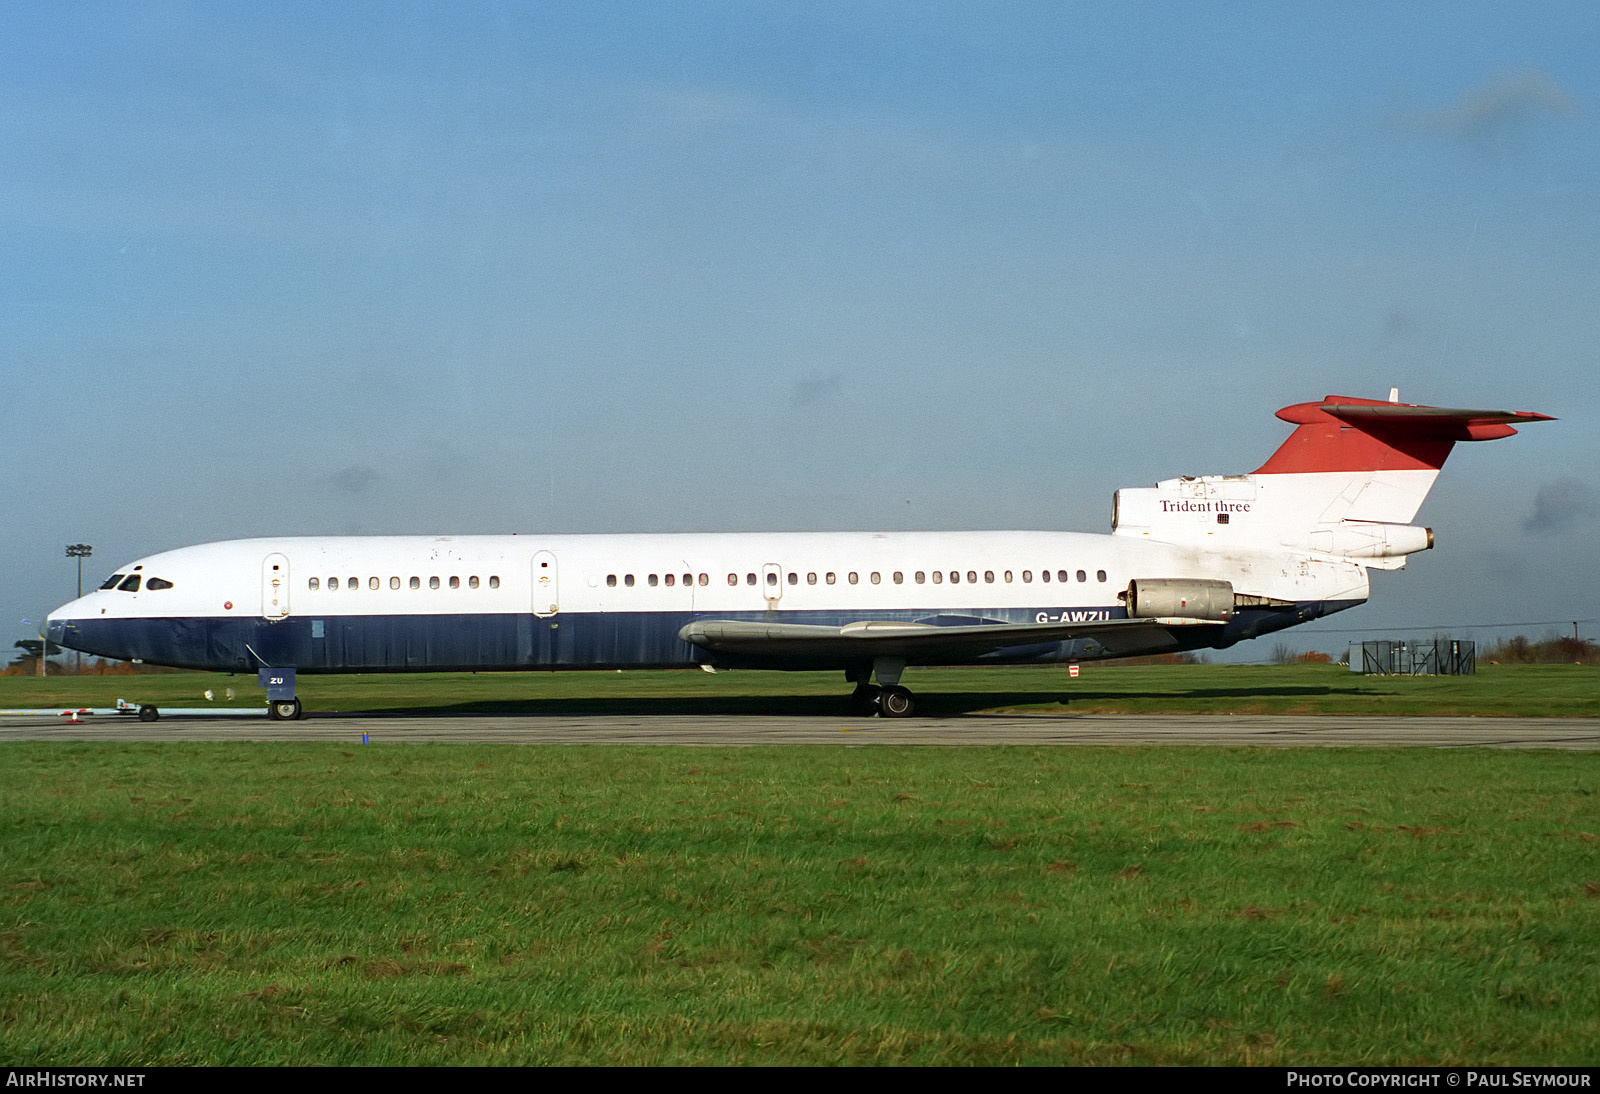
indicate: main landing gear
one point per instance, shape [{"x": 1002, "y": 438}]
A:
[{"x": 885, "y": 698}]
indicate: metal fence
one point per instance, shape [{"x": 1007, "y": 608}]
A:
[{"x": 1431, "y": 657}]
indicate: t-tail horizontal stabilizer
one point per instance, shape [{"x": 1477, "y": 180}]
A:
[{"x": 1346, "y": 434}]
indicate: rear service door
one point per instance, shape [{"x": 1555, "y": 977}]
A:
[
  {"x": 546, "y": 584},
  {"x": 275, "y": 587}
]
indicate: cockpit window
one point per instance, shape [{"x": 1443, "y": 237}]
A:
[
  {"x": 157, "y": 583},
  {"x": 111, "y": 582},
  {"x": 131, "y": 583}
]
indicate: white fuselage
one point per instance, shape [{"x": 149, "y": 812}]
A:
[
  {"x": 382, "y": 603},
  {"x": 849, "y": 572}
]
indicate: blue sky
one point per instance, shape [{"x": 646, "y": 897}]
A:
[{"x": 301, "y": 269}]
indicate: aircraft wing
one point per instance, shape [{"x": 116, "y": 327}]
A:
[{"x": 927, "y": 643}]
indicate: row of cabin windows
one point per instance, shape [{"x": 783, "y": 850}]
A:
[
  {"x": 920, "y": 577},
  {"x": 394, "y": 583},
  {"x": 657, "y": 579}
]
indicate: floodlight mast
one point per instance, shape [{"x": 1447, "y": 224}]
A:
[{"x": 79, "y": 551}]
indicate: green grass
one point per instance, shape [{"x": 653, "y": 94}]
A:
[
  {"x": 306, "y": 903},
  {"x": 1495, "y": 690}
]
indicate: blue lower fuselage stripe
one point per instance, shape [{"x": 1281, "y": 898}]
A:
[
  {"x": 401, "y": 643},
  {"x": 398, "y": 643}
]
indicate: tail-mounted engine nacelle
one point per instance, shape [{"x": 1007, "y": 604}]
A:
[
  {"x": 1372, "y": 539},
  {"x": 1152, "y": 598}
]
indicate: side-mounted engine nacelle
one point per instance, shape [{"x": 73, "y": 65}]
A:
[{"x": 1156, "y": 598}]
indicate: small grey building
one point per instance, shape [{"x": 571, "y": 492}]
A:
[{"x": 1429, "y": 657}]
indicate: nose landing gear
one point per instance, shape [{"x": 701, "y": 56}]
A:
[{"x": 282, "y": 706}]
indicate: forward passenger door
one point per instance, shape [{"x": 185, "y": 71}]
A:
[
  {"x": 275, "y": 587},
  {"x": 546, "y": 585}
]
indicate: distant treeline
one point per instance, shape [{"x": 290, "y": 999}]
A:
[
  {"x": 29, "y": 666},
  {"x": 1521, "y": 650},
  {"x": 63, "y": 663},
  {"x": 1198, "y": 657}
]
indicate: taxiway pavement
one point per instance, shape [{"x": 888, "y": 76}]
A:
[{"x": 1237, "y": 731}]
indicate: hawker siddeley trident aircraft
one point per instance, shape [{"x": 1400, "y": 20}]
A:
[{"x": 1191, "y": 563}]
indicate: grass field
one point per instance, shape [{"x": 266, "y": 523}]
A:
[
  {"x": 185, "y": 903},
  {"x": 1495, "y": 690},
  {"x": 306, "y": 903}
]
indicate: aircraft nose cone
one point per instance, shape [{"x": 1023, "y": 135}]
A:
[{"x": 60, "y": 626}]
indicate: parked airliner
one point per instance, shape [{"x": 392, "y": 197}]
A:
[{"x": 1191, "y": 563}]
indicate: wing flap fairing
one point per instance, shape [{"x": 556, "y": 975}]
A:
[{"x": 923, "y": 643}]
